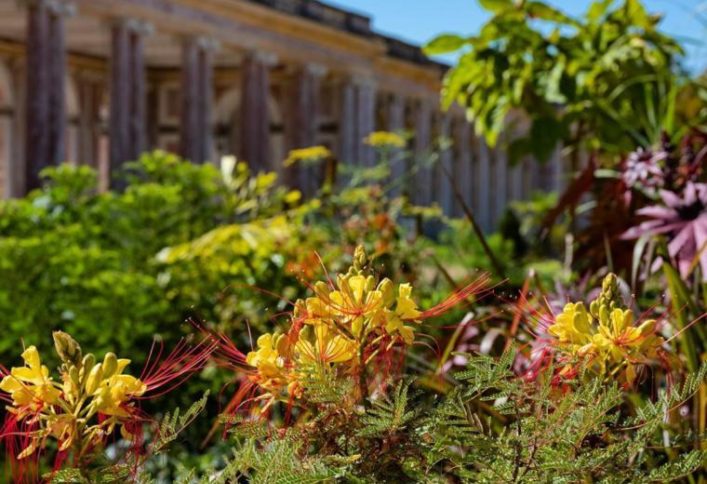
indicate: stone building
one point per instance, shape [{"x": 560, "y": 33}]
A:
[{"x": 99, "y": 81}]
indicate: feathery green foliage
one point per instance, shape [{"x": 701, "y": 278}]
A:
[{"x": 491, "y": 427}]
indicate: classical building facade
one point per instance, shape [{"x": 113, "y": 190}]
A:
[{"x": 99, "y": 81}]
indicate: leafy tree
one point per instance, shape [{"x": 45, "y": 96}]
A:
[{"x": 605, "y": 82}]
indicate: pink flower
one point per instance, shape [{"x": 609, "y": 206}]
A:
[{"x": 683, "y": 219}]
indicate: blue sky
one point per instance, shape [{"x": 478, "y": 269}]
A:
[{"x": 420, "y": 20}]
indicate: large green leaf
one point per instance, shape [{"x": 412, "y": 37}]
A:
[{"x": 444, "y": 44}]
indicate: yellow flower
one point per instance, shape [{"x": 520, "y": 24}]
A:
[
  {"x": 405, "y": 310},
  {"x": 30, "y": 385},
  {"x": 573, "y": 326},
  {"x": 116, "y": 389},
  {"x": 623, "y": 341},
  {"x": 606, "y": 335},
  {"x": 405, "y": 307},
  {"x": 385, "y": 139},
  {"x": 269, "y": 361},
  {"x": 313, "y": 153},
  {"x": 358, "y": 302},
  {"x": 328, "y": 347}
]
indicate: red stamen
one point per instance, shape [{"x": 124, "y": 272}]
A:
[{"x": 162, "y": 377}]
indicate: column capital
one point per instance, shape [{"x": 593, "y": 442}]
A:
[
  {"x": 56, "y": 7},
  {"x": 316, "y": 70},
  {"x": 362, "y": 80},
  {"x": 207, "y": 43},
  {"x": 267, "y": 58},
  {"x": 133, "y": 25}
]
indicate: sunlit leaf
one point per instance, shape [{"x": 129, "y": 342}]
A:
[{"x": 444, "y": 44}]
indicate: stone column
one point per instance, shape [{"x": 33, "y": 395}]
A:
[
  {"x": 195, "y": 128},
  {"x": 347, "y": 123},
  {"x": 303, "y": 124},
  {"x": 255, "y": 119},
  {"x": 45, "y": 87},
  {"x": 137, "y": 120},
  {"x": 395, "y": 118},
  {"x": 128, "y": 96},
  {"x": 366, "y": 108},
  {"x": 421, "y": 191},
  {"x": 358, "y": 111}
]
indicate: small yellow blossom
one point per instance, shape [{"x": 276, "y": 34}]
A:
[
  {"x": 328, "y": 347},
  {"x": 313, "y": 153},
  {"x": 269, "y": 361},
  {"x": 405, "y": 310},
  {"x": 358, "y": 302},
  {"x": 572, "y": 326},
  {"x": 116, "y": 390},
  {"x": 385, "y": 139},
  {"x": 606, "y": 334},
  {"x": 30, "y": 386}
]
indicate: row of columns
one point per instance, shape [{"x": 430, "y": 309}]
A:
[
  {"x": 196, "y": 98},
  {"x": 46, "y": 117}
]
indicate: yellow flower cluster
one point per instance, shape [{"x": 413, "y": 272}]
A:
[
  {"x": 311, "y": 154},
  {"x": 68, "y": 410},
  {"x": 385, "y": 139},
  {"x": 339, "y": 329},
  {"x": 606, "y": 335}
]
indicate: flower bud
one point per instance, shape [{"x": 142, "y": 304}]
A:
[
  {"x": 387, "y": 290},
  {"x": 74, "y": 375},
  {"x": 94, "y": 379},
  {"x": 610, "y": 296},
  {"x": 110, "y": 365},
  {"x": 321, "y": 289},
  {"x": 67, "y": 348},
  {"x": 86, "y": 364},
  {"x": 359, "y": 259}
]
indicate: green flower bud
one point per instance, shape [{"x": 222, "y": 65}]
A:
[
  {"x": 86, "y": 365},
  {"x": 387, "y": 289},
  {"x": 94, "y": 379},
  {"x": 359, "y": 259},
  {"x": 110, "y": 365},
  {"x": 67, "y": 348},
  {"x": 74, "y": 375},
  {"x": 610, "y": 297}
]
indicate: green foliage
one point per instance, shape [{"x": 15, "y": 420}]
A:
[
  {"x": 223, "y": 272},
  {"x": 491, "y": 427},
  {"x": 604, "y": 82},
  {"x": 75, "y": 259}
]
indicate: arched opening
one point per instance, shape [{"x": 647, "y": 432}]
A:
[{"x": 227, "y": 133}]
